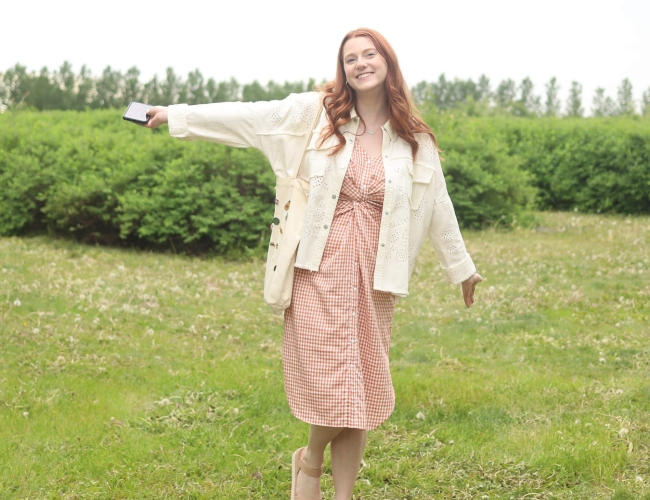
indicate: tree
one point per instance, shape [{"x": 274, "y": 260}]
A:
[
  {"x": 152, "y": 92},
  {"x": 505, "y": 94},
  {"x": 528, "y": 103},
  {"x": 132, "y": 86},
  {"x": 602, "y": 105},
  {"x": 15, "y": 82},
  {"x": 552, "y": 104},
  {"x": 110, "y": 89},
  {"x": 574, "y": 103},
  {"x": 483, "y": 88},
  {"x": 228, "y": 91},
  {"x": 645, "y": 103},
  {"x": 625, "y": 103},
  {"x": 170, "y": 88},
  {"x": 85, "y": 89},
  {"x": 44, "y": 92}
]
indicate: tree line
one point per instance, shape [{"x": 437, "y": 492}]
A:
[{"x": 64, "y": 89}]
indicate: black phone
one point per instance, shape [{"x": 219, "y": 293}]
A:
[{"x": 137, "y": 112}]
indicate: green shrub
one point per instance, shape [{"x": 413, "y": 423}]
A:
[
  {"x": 485, "y": 182},
  {"x": 594, "y": 165},
  {"x": 94, "y": 176}
]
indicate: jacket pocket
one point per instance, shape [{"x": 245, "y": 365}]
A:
[
  {"x": 421, "y": 176},
  {"x": 315, "y": 163}
]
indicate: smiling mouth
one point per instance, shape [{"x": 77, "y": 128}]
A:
[{"x": 363, "y": 76}]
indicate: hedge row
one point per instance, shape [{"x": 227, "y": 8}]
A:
[
  {"x": 95, "y": 177},
  {"x": 592, "y": 165},
  {"x": 101, "y": 179}
]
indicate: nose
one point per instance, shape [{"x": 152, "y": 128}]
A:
[{"x": 361, "y": 64}]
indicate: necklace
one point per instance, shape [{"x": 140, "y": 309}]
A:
[{"x": 369, "y": 132}]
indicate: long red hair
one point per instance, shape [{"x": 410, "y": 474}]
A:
[{"x": 340, "y": 98}]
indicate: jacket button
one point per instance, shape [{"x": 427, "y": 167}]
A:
[
  {"x": 386, "y": 213},
  {"x": 333, "y": 196},
  {"x": 325, "y": 226},
  {"x": 383, "y": 244}
]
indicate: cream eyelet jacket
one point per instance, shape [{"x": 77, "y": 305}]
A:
[{"x": 416, "y": 203}]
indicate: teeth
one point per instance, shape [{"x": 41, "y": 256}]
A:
[{"x": 364, "y": 75}]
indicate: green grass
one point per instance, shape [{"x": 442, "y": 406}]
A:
[{"x": 137, "y": 375}]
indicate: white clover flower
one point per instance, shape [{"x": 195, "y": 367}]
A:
[
  {"x": 623, "y": 431},
  {"x": 149, "y": 332},
  {"x": 17, "y": 302},
  {"x": 420, "y": 416},
  {"x": 102, "y": 308},
  {"x": 36, "y": 331}
]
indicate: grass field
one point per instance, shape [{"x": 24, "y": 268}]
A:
[{"x": 135, "y": 375}]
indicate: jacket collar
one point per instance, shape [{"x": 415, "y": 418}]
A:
[{"x": 386, "y": 127}]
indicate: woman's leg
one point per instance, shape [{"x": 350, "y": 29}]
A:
[
  {"x": 314, "y": 455},
  {"x": 347, "y": 451}
]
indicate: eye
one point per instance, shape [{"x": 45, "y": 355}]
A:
[{"x": 349, "y": 60}]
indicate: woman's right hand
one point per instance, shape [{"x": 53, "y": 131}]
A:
[{"x": 157, "y": 117}]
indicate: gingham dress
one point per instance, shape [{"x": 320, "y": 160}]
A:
[{"x": 337, "y": 329}]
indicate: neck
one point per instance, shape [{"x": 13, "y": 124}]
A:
[{"x": 373, "y": 108}]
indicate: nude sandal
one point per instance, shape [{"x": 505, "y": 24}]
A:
[{"x": 298, "y": 464}]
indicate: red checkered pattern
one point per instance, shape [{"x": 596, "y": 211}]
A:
[{"x": 337, "y": 329}]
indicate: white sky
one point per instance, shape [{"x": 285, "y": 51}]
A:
[{"x": 595, "y": 42}]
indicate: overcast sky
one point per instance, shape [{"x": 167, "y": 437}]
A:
[{"x": 595, "y": 42}]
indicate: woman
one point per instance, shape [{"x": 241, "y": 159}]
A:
[{"x": 376, "y": 190}]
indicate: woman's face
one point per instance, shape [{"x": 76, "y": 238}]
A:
[{"x": 365, "y": 68}]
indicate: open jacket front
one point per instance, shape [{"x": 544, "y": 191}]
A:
[{"x": 416, "y": 202}]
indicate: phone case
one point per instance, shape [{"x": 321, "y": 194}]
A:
[{"x": 137, "y": 112}]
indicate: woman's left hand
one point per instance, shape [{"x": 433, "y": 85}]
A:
[{"x": 468, "y": 288}]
